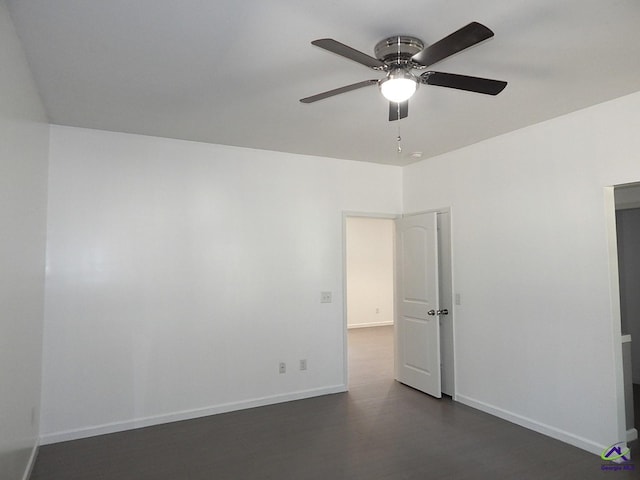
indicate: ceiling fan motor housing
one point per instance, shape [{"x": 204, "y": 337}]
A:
[{"x": 397, "y": 51}]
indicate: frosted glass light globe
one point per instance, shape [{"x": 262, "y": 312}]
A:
[{"x": 399, "y": 86}]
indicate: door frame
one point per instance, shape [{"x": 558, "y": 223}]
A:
[{"x": 393, "y": 216}]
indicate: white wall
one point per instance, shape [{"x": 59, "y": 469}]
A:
[
  {"x": 535, "y": 340},
  {"x": 369, "y": 271},
  {"x": 23, "y": 181},
  {"x": 180, "y": 274},
  {"x": 628, "y": 222}
]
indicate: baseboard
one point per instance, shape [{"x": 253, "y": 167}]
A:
[
  {"x": 558, "y": 434},
  {"x": 32, "y": 462},
  {"x": 373, "y": 324},
  {"x": 632, "y": 434},
  {"x": 114, "y": 427}
]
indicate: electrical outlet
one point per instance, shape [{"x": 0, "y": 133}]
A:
[
  {"x": 282, "y": 368},
  {"x": 325, "y": 297},
  {"x": 303, "y": 364}
]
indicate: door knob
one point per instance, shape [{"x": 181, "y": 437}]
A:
[
  {"x": 431, "y": 312},
  {"x": 444, "y": 311}
]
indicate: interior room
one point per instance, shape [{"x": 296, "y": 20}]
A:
[{"x": 174, "y": 184}]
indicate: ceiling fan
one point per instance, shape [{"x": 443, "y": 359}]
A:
[{"x": 397, "y": 56}]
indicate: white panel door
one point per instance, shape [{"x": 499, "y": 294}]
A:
[{"x": 418, "y": 330}]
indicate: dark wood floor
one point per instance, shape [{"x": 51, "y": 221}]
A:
[{"x": 379, "y": 430}]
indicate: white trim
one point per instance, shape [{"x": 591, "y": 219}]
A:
[
  {"x": 434, "y": 210},
  {"x": 185, "y": 415},
  {"x": 31, "y": 462},
  {"x": 383, "y": 216},
  {"x": 372, "y": 324},
  {"x": 614, "y": 298},
  {"x": 553, "y": 432}
]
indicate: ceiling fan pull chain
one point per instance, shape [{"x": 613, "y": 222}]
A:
[{"x": 399, "y": 137}]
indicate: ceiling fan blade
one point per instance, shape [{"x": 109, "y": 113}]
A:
[
  {"x": 348, "y": 52},
  {"x": 459, "y": 40},
  {"x": 337, "y": 91},
  {"x": 464, "y": 82},
  {"x": 398, "y": 111}
]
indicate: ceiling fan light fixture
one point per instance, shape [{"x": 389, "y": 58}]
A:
[
  {"x": 399, "y": 55},
  {"x": 399, "y": 86}
]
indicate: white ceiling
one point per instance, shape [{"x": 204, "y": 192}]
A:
[{"x": 231, "y": 71}]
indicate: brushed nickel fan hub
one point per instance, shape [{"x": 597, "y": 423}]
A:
[{"x": 398, "y": 50}]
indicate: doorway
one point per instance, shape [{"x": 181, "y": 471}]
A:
[
  {"x": 627, "y": 206},
  {"x": 369, "y": 287},
  {"x": 369, "y": 299}
]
